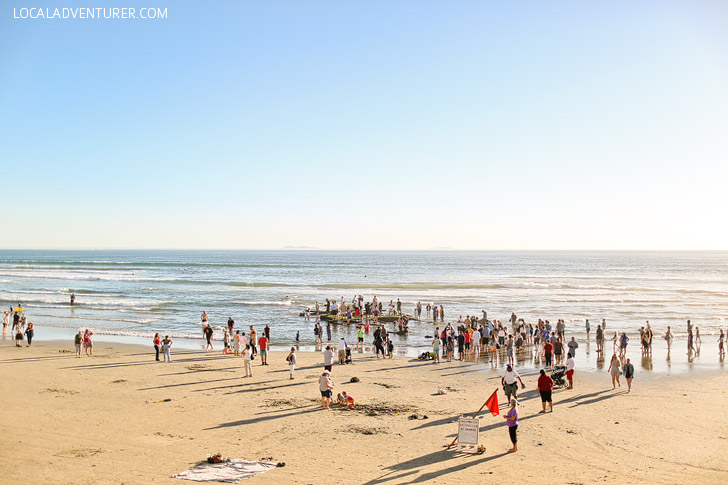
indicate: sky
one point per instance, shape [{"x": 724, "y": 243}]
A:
[{"x": 367, "y": 125}]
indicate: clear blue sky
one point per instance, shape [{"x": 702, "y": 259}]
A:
[{"x": 368, "y": 125}]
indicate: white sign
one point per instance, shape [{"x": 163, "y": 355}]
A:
[{"x": 468, "y": 430}]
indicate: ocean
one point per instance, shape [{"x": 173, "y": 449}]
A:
[{"x": 138, "y": 293}]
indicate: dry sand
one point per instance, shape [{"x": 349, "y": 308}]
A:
[{"x": 94, "y": 420}]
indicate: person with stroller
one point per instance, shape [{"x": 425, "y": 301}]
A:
[
  {"x": 510, "y": 384},
  {"x": 545, "y": 388}
]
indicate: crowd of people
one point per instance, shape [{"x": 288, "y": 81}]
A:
[{"x": 21, "y": 327}]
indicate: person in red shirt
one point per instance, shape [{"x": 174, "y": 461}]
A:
[
  {"x": 263, "y": 344},
  {"x": 545, "y": 387},
  {"x": 548, "y": 352}
]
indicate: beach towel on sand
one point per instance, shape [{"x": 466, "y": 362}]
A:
[{"x": 226, "y": 472}]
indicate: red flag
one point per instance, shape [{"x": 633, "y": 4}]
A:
[{"x": 492, "y": 403}]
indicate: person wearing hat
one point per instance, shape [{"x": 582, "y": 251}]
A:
[
  {"x": 328, "y": 358},
  {"x": 326, "y": 386},
  {"x": 510, "y": 386},
  {"x": 342, "y": 350}
]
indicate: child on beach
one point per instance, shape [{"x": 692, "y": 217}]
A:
[
  {"x": 18, "y": 336},
  {"x": 226, "y": 343},
  {"x": 345, "y": 399}
]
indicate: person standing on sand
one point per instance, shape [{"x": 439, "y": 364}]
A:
[
  {"x": 166, "y": 347},
  {"x": 328, "y": 359},
  {"x": 436, "y": 348},
  {"x": 157, "y": 341},
  {"x": 236, "y": 343},
  {"x": 6, "y": 322},
  {"x": 243, "y": 340},
  {"x": 512, "y": 422},
  {"x": 292, "y": 359},
  {"x": 248, "y": 360},
  {"x": 253, "y": 340},
  {"x": 508, "y": 381},
  {"x": 614, "y": 371},
  {"x": 548, "y": 350},
  {"x": 225, "y": 342},
  {"x": 545, "y": 389},
  {"x": 342, "y": 350},
  {"x": 18, "y": 336},
  {"x": 78, "y": 341},
  {"x": 328, "y": 331},
  {"x": 570, "y": 365},
  {"x": 207, "y": 332},
  {"x": 326, "y": 386},
  {"x": 263, "y": 344},
  {"x": 628, "y": 370},
  {"x": 88, "y": 344},
  {"x": 29, "y": 332}
]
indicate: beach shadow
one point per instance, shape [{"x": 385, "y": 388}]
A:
[
  {"x": 411, "y": 467},
  {"x": 256, "y": 389},
  {"x": 182, "y": 384},
  {"x": 244, "y": 422},
  {"x": 598, "y": 399}
]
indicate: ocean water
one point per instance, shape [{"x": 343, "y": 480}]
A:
[{"x": 138, "y": 293}]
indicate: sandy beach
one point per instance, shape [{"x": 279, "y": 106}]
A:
[{"x": 95, "y": 420}]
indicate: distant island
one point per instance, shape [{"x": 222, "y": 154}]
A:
[{"x": 299, "y": 247}]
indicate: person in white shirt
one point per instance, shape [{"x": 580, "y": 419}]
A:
[
  {"x": 328, "y": 358},
  {"x": 476, "y": 341},
  {"x": 342, "y": 350},
  {"x": 570, "y": 364},
  {"x": 510, "y": 384}
]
